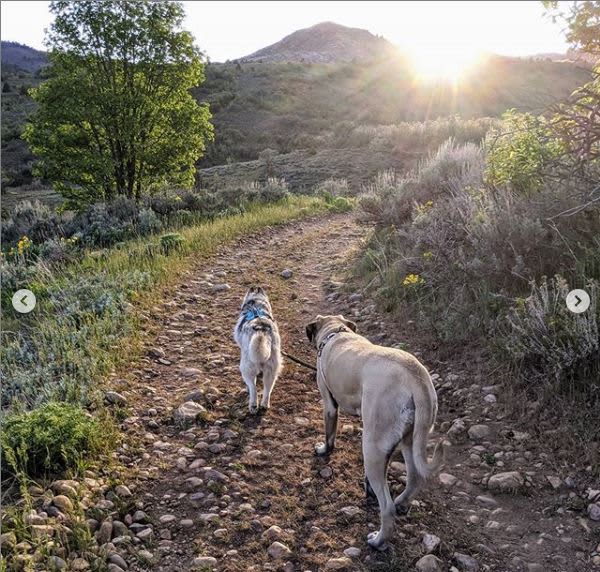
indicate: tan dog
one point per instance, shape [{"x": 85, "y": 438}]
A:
[{"x": 396, "y": 398}]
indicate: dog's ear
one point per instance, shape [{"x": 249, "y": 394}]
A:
[
  {"x": 259, "y": 290},
  {"x": 311, "y": 331},
  {"x": 349, "y": 324}
]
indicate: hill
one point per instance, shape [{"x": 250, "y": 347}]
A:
[
  {"x": 326, "y": 42},
  {"x": 290, "y": 106},
  {"x": 17, "y": 56}
]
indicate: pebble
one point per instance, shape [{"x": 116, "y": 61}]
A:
[
  {"x": 57, "y": 563},
  {"x": 104, "y": 534},
  {"x": 63, "y": 503},
  {"x": 188, "y": 413},
  {"x": 478, "y": 432},
  {"x": 115, "y": 398},
  {"x": 221, "y": 287},
  {"x": 338, "y": 563},
  {"x": 122, "y": 491},
  {"x": 273, "y": 533},
  {"x": 593, "y": 511},
  {"x": 465, "y": 562},
  {"x": 430, "y": 542},
  {"x": 326, "y": 472},
  {"x": 278, "y": 551},
  {"x": 204, "y": 562},
  {"x": 118, "y": 560},
  {"x": 509, "y": 482},
  {"x": 286, "y": 274},
  {"x": 447, "y": 480},
  {"x": 350, "y": 511},
  {"x": 429, "y": 563},
  {"x": 352, "y": 552}
]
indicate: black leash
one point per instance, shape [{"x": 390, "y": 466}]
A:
[{"x": 299, "y": 361}]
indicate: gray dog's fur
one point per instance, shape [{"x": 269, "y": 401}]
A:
[
  {"x": 393, "y": 393},
  {"x": 260, "y": 344}
]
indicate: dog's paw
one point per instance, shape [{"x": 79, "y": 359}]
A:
[
  {"x": 321, "y": 449},
  {"x": 253, "y": 409},
  {"x": 402, "y": 509},
  {"x": 376, "y": 541}
]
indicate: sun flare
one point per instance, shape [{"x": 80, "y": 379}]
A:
[{"x": 439, "y": 64}]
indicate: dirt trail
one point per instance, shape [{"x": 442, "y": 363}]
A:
[{"x": 214, "y": 490}]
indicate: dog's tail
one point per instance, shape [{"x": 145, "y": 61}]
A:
[
  {"x": 424, "y": 420},
  {"x": 260, "y": 347}
]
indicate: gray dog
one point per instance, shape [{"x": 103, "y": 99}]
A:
[
  {"x": 258, "y": 337},
  {"x": 396, "y": 398}
]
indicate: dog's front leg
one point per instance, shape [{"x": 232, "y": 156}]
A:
[{"x": 330, "y": 418}]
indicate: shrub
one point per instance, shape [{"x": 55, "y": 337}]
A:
[
  {"x": 51, "y": 439},
  {"x": 273, "y": 190},
  {"x": 148, "y": 222},
  {"x": 558, "y": 350},
  {"x": 34, "y": 220},
  {"x": 171, "y": 242},
  {"x": 333, "y": 188},
  {"x": 519, "y": 151}
]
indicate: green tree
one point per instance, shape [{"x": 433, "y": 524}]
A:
[
  {"x": 582, "y": 20},
  {"x": 116, "y": 115}
]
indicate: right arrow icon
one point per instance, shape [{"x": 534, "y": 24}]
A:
[{"x": 578, "y": 301}]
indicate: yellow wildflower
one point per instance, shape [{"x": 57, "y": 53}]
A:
[
  {"x": 427, "y": 255},
  {"x": 412, "y": 280}
]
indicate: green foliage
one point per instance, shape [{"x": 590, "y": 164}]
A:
[
  {"x": 582, "y": 20},
  {"x": 171, "y": 242},
  {"x": 131, "y": 121},
  {"x": 519, "y": 152},
  {"x": 51, "y": 439}
]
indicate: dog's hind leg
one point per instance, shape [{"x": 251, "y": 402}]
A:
[
  {"x": 249, "y": 377},
  {"x": 269, "y": 379},
  {"x": 375, "y": 469},
  {"x": 413, "y": 479}
]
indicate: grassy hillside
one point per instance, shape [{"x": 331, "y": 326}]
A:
[{"x": 289, "y": 106}]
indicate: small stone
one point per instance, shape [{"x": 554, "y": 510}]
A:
[
  {"x": 555, "y": 482},
  {"x": 140, "y": 516},
  {"x": 41, "y": 531},
  {"x": 190, "y": 372},
  {"x": 273, "y": 533},
  {"x": 186, "y": 523},
  {"x": 115, "y": 398},
  {"x": 447, "y": 480},
  {"x": 326, "y": 472},
  {"x": 338, "y": 563},
  {"x": 465, "y": 562},
  {"x": 509, "y": 482},
  {"x": 122, "y": 492},
  {"x": 286, "y": 274},
  {"x": 478, "y": 432},
  {"x": 115, "y": 568},
  {"x": 220, "y": 533},
  {"x": 302, "y": 421},
  {"x": 429, "y": 563},
  {"x": 214, "y": 475},
  {"x": 56, "y": 563},
  {"x": 8, "y": 541},
  {"x": 430, "y": 542},
  {"x": 278, "y": 551},
  {"x": 350, "y": 511},
  {"x": 188, "y": 413},
  {"x": 118, "y": 560},
  {"x": 206, "y": 562},
  {"x": 146, "y": 556},
  {"x": 221, "y": 287},
  {"x": 490, "y": 398},
  {"x": 104, "y": 534},
  {"x": 63, "y": 503},
  {"x": 145, "y": 535},
  {"x": 79, "y": 564},
  {"x": 457, "y": 431},
  {"x": 486, "y": 501},
  {"x": 167, "y": 518},
  {"x": 352, "y": 552},
  {"x": 593, "y": 511}
]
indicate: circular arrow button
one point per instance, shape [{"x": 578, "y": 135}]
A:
[
  {"x": 578, "y": 301},
  {"x": 23, "y": 301}
]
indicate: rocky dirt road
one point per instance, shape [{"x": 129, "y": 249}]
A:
[{"x": 235, "y": 492}]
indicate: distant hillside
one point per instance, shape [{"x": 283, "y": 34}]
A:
[
  {"x": 18, "y": 56},
  {"x": 290, "y": 106},
  {"x": 323, "y": 43}
]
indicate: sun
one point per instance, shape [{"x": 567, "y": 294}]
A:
[{"x": 439, "y": 63}]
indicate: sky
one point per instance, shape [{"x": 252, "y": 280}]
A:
[{"x": 228, "y": 30}]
